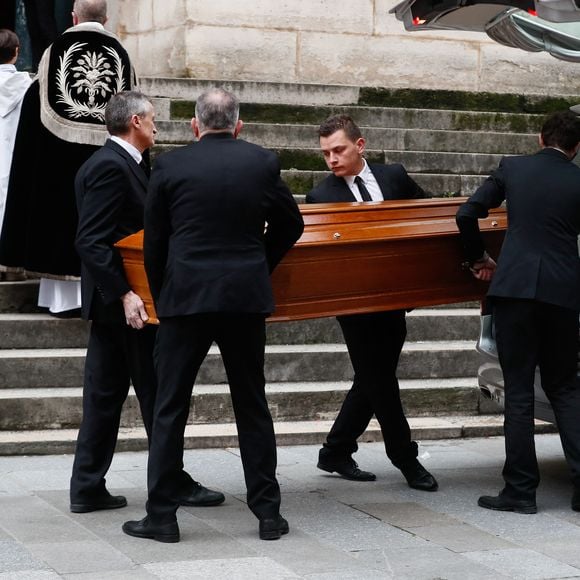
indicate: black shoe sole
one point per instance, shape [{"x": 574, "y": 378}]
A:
[
  {"x": 204, "y": 504},
  {"x": 331, "y": 470},
  {"x": 515, "y": 509},
  {"x": 274, "y": 534},
  {"x": 165, "y": 538},
  {"x": 418, "y": 487},
  {"x": 85, "y": 508}
]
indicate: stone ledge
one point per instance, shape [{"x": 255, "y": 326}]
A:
[{"x": 224, "y": 435}]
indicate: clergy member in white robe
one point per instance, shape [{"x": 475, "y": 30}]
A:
[{"x": 13, "y": 85}]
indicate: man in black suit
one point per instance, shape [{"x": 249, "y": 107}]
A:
[
  {"x": 217, "y": 221},
  {"x": 375, "y": 340},
  {"x": 111, "y": 189},
  {"x": 535, "y": 293}
]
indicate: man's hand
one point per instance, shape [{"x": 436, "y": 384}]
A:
[
  {"x": 135, "y": 313},
  {"x": 484, "y": 268}
]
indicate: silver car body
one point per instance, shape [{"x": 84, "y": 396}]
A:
[{"x": 490, "y": 376}]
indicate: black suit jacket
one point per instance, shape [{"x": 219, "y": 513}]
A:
[
  {"x": 111, "y": 189},
  {"x": 207, "y": 247},
  {"x": 393, "y": 181},
  {"x": 539, "y": 258}
]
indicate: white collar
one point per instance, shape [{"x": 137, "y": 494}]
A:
[
  {"x": 131, "y": 149},
  {"x": 97, "y": 26},
  {"x": 362, "y": 173},
  {"x": 7, "y": 68}
]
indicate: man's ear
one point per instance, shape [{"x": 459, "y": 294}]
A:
[
  {"x": 136, "y": 121},
  {"x": 541, "y": 141},
  {"x": 195, "y": 127},
  {"x": 360, "y": 145},
  {"x": 238, "y": 128}
]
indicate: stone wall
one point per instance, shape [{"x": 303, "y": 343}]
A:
[{"x": 321, "y": 41}]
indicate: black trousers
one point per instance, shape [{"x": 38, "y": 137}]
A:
[
  {"x": 374, "y": 343},
  {"x": 182, "y": 345},
  {"x": 41, "y": 26},
  {"x": 117, "y": 356},
  {"x": 530, "y": 334}
]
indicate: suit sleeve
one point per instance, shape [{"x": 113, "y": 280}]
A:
[
  {"x": 489, "y": 195},
  {"x": 411, "y": 188},
  {"x": 156, "y": 234},
  {"x": 285, "y": 223},
  {"x": 101, "y": 191}
]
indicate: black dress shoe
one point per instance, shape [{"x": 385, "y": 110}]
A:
[
  {"x": 418, "y": 477},
  {"x": 201, "y": 496},
  {"x": 347, "y": 469},
  {"x": 168, "y": 533},
  {"x": 105, "y": 502},
  {"x": 505, "y": 504},
  {"x": 273, "y": 528},
  {"x": 576, "y": 500}
]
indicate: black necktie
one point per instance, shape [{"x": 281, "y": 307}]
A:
[
  {"x": 364, "y": 192},
  {"x": 145, "y": 168}
]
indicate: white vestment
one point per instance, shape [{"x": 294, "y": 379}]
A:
[{"x": 13, "y": 85}]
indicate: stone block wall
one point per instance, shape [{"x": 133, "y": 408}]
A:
[{"x": 322, "y": 41}]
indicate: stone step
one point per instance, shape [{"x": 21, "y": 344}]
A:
[
  {"x": 33, "y": 368},
  {"x": 52, "y": 408},
  {"x": 319, "y": 94},
  {"x": 309, "y": 162},
  {"x": 36, "y": 331},
  {"x": 58, "y": 441},
  {"x": 19, "y": 296},
  {"x": 301, "y": 182},
  {"x": 457, "y": 163},
  {"x": 275, "y": 136},
  {"x": 404, "y": 118}
]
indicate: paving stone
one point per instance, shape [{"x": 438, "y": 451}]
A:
[
  {"x": 200, "y": 540},
  {"x": 69, "y": 557},
  {"x": 30, "y": 575},
  {"x": 31, "y": 520},
  {"x": 460, "y": 537},
  {"x": 406, "y": 515},
  {"x": 349, "y": 575},
  {"x": 344, "y": 527},
  {"x": 429, "y": 563},
  {"x": 137, "y": 573},
  {"x": 15, "y": 557},
  {"x": 238, "y": 568},
  {"x": 525, "y": 564}
]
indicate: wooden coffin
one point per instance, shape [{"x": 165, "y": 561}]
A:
[{"x": 355, "y": 258}]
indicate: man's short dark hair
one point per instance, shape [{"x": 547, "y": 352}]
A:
[
  {"x": 338, "y": 122},
  {"x": 561, "y": 130},
  {"x": 216, "y": 110},
  {"x": 121, "y": 108},
  {"x": 8, "y": 44}
]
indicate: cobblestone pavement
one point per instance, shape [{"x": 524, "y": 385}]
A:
[{"x": 339, "y": 529}]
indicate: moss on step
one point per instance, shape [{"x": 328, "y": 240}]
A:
[
  {"x": 462, "y": 100},
  {"x": 492, "y": 121}
]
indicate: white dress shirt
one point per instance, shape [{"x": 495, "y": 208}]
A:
[
  {"x": 131, "y": 149},
  {"x": 370, "y": 183}
]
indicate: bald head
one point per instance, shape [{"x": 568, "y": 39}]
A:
[
  {"x": 90, "y": 11},
  {"x": 217, "y": 110}
]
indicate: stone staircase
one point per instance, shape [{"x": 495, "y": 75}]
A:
[{"x": 447, "y": 151}]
